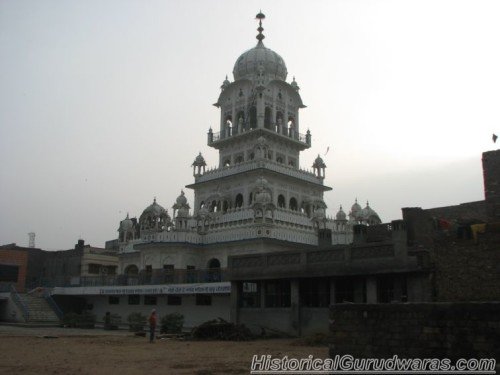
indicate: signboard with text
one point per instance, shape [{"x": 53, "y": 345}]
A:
[{"x": 204, "y": 288}]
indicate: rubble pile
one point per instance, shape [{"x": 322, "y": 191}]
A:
[{"x": 220, "y": 329}]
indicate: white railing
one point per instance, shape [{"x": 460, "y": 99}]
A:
[{"x": 246, "y": 166}]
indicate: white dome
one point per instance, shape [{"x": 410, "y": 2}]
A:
[
  {"x": 126, "y": 224},
  {"x": 369, "y": 215},
  {"x": 154, "y": 210},
  {"x": 356, "y": 208},
  {"x": 199, "y": 161},
  {"x": 341, "y": 214},
  {"x": 319, "y": 213},
  {"x": 181, "y": 199},
  {"x": 260, "y": 60}
]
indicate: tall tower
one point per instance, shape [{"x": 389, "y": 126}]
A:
[
  {"x": 258, "y": 183},
  {"x": 31, "y": 236}
]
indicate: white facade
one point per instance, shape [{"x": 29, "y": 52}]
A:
[{"x": 258, "y": 190}]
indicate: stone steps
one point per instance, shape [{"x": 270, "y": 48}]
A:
[{"x": 39, "y": 309}]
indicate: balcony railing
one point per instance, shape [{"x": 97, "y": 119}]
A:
[
  {"x": 156, "y": 277},
  {"x": 249, "y": 165},
  {"x": 273, "y": 129}
]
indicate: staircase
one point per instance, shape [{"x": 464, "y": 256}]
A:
[{"x": 39, "y": 309}]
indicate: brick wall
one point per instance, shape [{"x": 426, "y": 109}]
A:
[
  {"x": 16, "y": 258},
  {"x": 491, "y": 174},
  {"x": 466, "y": 270},
  {"x": 427, "y": 330}
]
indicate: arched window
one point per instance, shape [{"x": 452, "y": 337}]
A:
[
  {"x": 293, "y": 204},
  {"x": 253, "y": 117},
  {"x": 251, "y": 156},
  {"x": 226, "y": 163},
  {"x": 239, "y": 122},
  {"x": 250, "y": 198},
  {"x": 238, "y": 201},
  {"x": 291, "y": 127},
  {"x": 213, "y": 263},
  {"x": 213, "y": 206},
  {"x": 131, "y": 270},
  {"x": 279, "y": 122},
  {"x": 279, "y": 159},
  {"x": 213, "y": 272},
  {"x": 239, "y": 159},
  {"x": 267, "y": 118},
  {"x": 202, "y": 204},
  {"x": 225, "y": 206},
  {"x": 281, "y": 201}
]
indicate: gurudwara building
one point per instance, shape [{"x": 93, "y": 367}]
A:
[{"x": 258, "y": 200}]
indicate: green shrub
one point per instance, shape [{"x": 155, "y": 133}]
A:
[
  {"x": 84, "y": 320},
  {"x": 136, "y": 322},
  {"x": 87, "y": 320},
  {"x": 71, "y": 319},
  {"x": 112, "y": 321},
  {"x": 172, "y": 323}
]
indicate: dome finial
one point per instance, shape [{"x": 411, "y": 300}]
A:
[{"x": 260, "y": 16}]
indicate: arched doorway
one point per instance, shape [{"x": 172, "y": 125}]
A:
[
  {"x": 213, "y": 271},
  {"x": 238, "y": 203},
  {"x": 281, "y": 201},
  {"x": 132, "y": 274}
]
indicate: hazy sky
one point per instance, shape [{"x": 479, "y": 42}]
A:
[{"x": 105, "y": 104}]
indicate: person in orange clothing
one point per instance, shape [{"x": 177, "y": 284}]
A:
[{"x": 152, "y": 325}]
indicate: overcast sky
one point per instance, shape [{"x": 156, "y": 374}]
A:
[{"x": 105, "y": 104}]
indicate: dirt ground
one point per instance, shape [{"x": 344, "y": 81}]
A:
[{"x": 26, "y": 351}]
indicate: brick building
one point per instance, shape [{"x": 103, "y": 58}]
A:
[
  {"x": 444, "y": 254},
  {"x": 20, "y": 266},
  {"x": 26, "y": 268}
]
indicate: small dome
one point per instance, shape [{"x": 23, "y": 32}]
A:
[
  {"x": 260, "y": 60},
  {"x": 199, "y": 160},
  {"x": 369, "y": 215},
  {"x": 261, "y": 140},
  {"x": 126, "y": 224},
  {"x": 356, "y": 208},
  {"x": 261, "y": 182},
  {"x": 319, "y": 163},
  {"x": 262, "y": 197},
  {"x": 181, "y": 199},
  {"x": 341, "y": 214},
  {"x": 319, "y": 213},
  {"x": 154, "y": 209}
]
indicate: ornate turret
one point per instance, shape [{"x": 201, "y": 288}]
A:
[
  {"x": 319, "y": 167},
  {"x": 181, "y": 212},
  {"x": 155, "y": 218},
  {"x": 199, "y": 165},
  {"x": 128, "y": 229},
  {"x": 341, "y": 215}
]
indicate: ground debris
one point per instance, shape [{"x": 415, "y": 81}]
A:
[
  {"x": 171, "y": 336},
  {"x": 220, "y": 329}
]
